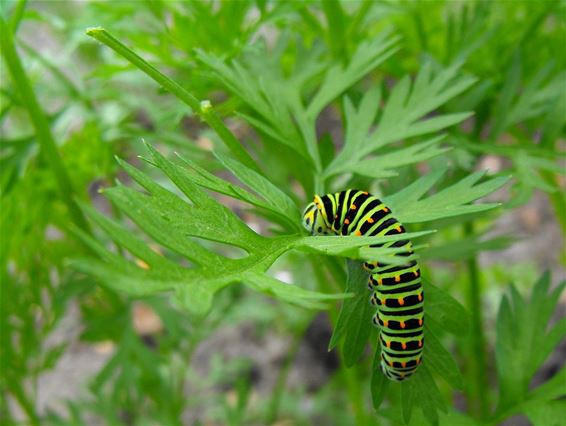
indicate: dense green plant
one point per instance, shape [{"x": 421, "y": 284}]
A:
[{"x": 414, "y": 127}]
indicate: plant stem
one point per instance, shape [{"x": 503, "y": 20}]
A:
[
  {"x": 17, "y": 15},
  {"x": 203, "y": 109},
  {"x": 43, "y": 133},
  {"x": 477, "y": 371}
]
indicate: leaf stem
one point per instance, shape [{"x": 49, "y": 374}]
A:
[
  {"x": 202, "y": 108},
  {"x": 39, "y": 121},
  {"x": 477, "y": 371}
]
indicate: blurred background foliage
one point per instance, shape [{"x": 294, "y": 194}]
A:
[{"x": 75, "y": 352}]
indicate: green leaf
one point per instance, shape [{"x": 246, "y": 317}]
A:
[
  {"x": 552, "y": 389},
  {"x": 358, "y": 246},
  {"x": 551, "y": 413},
  {"x": 428, "y": 396},
  {"x": 420, "y": 391},
  {"x": 379, "y": 383},
  {"x": 524, "y": 340},
  {"x": 271, "y": 98},
  {"x": 287, "y": 292},
  {"x": 381, "y": 166},
  {"x": 409, "y": 206},
  {"x": 554, "y": 121},
  {"x": 407, "y": 400},
  {"x": 522, "y": 100},
  {"x": 206, "y": 179},
  {"x": 440, "y": 361},
  {"x": 338, "y": 78},
  {"x": 443, "y": 312},
  {"x": 277, "y": 200},
  {"x": 466, "y": 248},
  {"x": 354, "y": 323},
  {"x": 172, "y": 222},
  {"x": 401, "y": 117}
]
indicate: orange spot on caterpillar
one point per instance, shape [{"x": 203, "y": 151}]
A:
[
  {"x": 357, "y": 233},
  {"x": 404, "y": 364},
  {"x": 402, "y": 324},
  {"x": 365, "y": 192},
  {"x": 398, "y": 278},
  {"x": 404, "y": 345},
  {"x": 398, "y": 228},
  {"x": 353, "y": 207},
  {"x": 388, "y": 344},
  {"x": 370, "y": 220},
  {"x": 390, "y": 363},
  {"x": 401, "y": 301},
  {"x": 420, "y": 343},
  {"x": 386, "y": 210},
  {"x": 416, "y": 273},
  {"x": 379, "y": 281},
  {"x": 420, "y": 297},
  {"x": 347, "y": 221},
  {"x": 386, "y": 323},
  {"x": 420, "y": 322}
]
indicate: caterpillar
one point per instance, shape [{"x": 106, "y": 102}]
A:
[{"x": 396, "y": 291}]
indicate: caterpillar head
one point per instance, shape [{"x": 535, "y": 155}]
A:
[{"x": 313, "y": 219}]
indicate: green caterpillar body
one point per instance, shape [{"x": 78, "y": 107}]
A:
[{"x": 396, "y": 290}]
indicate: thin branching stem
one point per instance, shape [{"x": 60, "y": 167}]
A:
[{"x": 202, "y": 108}]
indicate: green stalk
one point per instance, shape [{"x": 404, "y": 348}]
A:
[
  {"x": 17, "y": 16},
  {"x": 43, "y": 133},
  {"x": 477, "y": 370},
  {"x": 202, "y": 108}
]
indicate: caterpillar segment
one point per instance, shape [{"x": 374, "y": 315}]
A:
[{"x": 396, "y": 291}]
